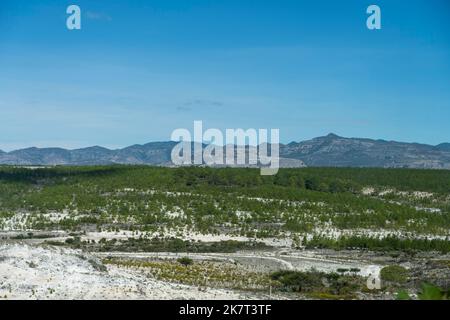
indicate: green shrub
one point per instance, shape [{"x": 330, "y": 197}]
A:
[
  {"x": 317, "y": 282},
  {"x": 402, "y": 295},
  {"x": 432, "y": 292},
  {"x": 185, "y": 261},
  {"x": 396, "y": 274}
]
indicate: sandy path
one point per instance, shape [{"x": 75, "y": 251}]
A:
[{"x": 267, "y": 261}]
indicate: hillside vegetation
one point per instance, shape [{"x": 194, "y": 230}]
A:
[{"x": 315, "y": 205}]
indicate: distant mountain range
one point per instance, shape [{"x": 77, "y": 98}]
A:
[
  {"x": 336, "y": 151},
  {"x": 331, "y": 151}
]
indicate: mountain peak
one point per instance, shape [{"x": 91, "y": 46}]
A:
[
  {"x": 332, "y": 135},
  {"x": 443, "y": 146}
]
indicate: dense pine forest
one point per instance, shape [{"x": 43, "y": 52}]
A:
[{"x": 305, "y": 204}]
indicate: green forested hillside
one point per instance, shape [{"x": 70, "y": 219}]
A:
[{"x": 298, "y": 202}]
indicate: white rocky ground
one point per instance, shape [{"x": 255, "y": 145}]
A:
[{"x": 32, "y": 272}]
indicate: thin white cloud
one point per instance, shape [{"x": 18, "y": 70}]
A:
[{"x": 200, "y": 103}]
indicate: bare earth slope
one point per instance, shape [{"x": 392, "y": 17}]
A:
[{"x": 28, "y": 272}]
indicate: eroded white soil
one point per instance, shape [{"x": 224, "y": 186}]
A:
[{"x": 32, "y": 272}]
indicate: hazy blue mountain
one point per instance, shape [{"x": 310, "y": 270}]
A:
[
  {"x": 37, "y": 156},
  {"x": 331, "y": 150},
  {"x": 91, "y": 155},
  {"x": 157, "y": 153},
  {"x": 443, "y": 147}
]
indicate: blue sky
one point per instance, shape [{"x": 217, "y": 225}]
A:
[{"x": 137, "y": 70}]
